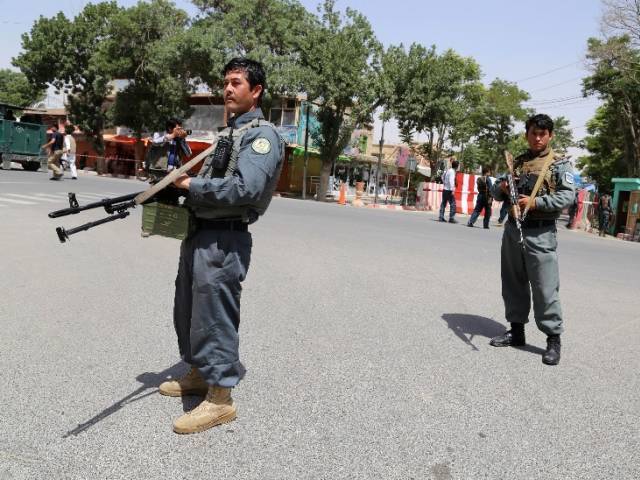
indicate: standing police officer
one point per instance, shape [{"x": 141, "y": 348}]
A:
[
  {"x": 233, "y": 188},
  {"x": 532, "y": 269}
]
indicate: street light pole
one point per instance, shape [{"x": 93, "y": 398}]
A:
[
  {"x": 306, "y": 152},
  {"x": 375, "y": 199}
]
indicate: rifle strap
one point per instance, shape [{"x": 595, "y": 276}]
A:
[{"x": 536, "y": 187}]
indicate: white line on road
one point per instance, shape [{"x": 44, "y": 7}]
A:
[
  {"x": 30, "y": 197},
  {"x": 17, "y": 202},
  {"x": 55, "y": 197}
]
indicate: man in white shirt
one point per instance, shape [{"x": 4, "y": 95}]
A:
[
  {"x": 69, "y": 150},
  {"x": 449, "y": 186}
]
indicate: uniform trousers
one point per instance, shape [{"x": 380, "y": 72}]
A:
[
  {"x": 206, "y": 315},
  {"x": 532, "y": 272}
]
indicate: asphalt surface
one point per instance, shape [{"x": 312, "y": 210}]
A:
[{"x": 364, "y": 332}]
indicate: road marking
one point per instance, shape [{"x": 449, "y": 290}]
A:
[
  {"x": 28, "y": 197},
  {"x": 49, "y": 195},
  {"x": 17, "y": 202}
]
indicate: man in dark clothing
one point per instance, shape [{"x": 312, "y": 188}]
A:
[
  {"x": 604, "y": 213},
  {"x": 484, "y": 199},
  {"x": 55, "y": 146}
]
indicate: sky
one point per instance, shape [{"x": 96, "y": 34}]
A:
[{"x": 538, "y": 45}]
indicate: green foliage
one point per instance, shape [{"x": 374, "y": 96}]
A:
[
  {"x": 270, "y": 31},
  {"x": 605, "y": 144},
  {"x": 494, "y": 120},
  {"x": 142, "y": 48},
  {"x": 616, "y": 79},
  {"x": 562, "y": 135},
  {"x": 341, "y": 57},
  {"x": 60, "y": 52},
  {"x": 16, "y": 90},
  {"x": 432, "y": 93}
]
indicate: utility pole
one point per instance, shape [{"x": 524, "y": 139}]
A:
[
  {"x": 306, "y": 151},
  {"x": 375, "y": 199}
]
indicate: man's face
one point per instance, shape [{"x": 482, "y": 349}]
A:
[
  {"x": 538, "y": 138},
  {"x": 239, "y": 97}
]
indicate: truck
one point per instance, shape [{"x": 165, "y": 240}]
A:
[{"x": 21, "y": 142}]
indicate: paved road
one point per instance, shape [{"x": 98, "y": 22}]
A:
[{"x": 365, "y": 334}]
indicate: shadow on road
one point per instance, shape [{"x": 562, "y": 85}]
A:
[
  {"x": 150, "y": 382},
  {"x": 466, "y": 327}
]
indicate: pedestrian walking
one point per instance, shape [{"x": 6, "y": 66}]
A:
[
  {"x": 448, "y": 189},
  {"x": 55, "y": 146},
  {"x": 233, "y": 188},
  {"x": 484, "y": 200},
  {"x": 545, "y": 185},
  {"x": 69, "y": 153},
  {"x": 604, "y": 213},
  {"x": 504, "y": 210}
]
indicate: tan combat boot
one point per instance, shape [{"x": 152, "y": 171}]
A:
[
  {"x": 217, "y": 408},
  {"x": 191, "y": 384}
]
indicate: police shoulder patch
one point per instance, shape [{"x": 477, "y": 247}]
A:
[
  {"x": 568, "y": 178},
  {"x": 261, "y": 145}
]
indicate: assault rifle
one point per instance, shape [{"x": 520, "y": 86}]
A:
[
  {"x": 118, "y": 207},
  {"x": 513, "y": 196}
]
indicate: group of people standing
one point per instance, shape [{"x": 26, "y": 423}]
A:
[
  {"x": 484, "y": 199},
  {"x": 61, "y": 148}
]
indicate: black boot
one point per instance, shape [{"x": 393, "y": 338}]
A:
[
  {"x": 552, "y": 354},
  {"x": 511, "y": 338}
]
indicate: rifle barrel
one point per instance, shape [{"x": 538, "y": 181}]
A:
[{"x": 101, "y": 203}]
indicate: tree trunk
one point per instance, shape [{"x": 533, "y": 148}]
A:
[{"x": 325, "y": 173}]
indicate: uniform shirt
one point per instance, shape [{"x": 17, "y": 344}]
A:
[
  {"x": 256, "y": 176},
  {"x": 561, "y": 191},
  {"x": 449, "y": 179}
]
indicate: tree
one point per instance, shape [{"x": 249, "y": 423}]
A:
[
  {"x": 615, "y": 78},
  {"x": 604, "y": 143},
  {"x": 59, "y": 52},
  {"x": 141, "y": 47},
  {"x": 622, "y": 17},
  {"x": 562, "y": 135},
  {"x": 269, "y": 31},
  {"x": 432, "y": 93},
  {"x": 495, "y": 118},
  {"x": 16, "y": 90},
  {"x": 340, "y": 55}
]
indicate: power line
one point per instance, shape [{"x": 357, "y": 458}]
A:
[
  {"x": 557, "y": 84},
  {"x": 554, "y": 100},
  {"x": 548, "y": 72}
]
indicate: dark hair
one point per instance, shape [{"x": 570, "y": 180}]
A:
[
  {"x": 68, "y": 129},
  {"x": 486, "y": 169},
  {"x": 253, "y": 72},
  {"x": 541, "y": 121},
  {"x": 54, "y": 126},
  {"x": 455, "y": 164},
  {"x": 172, "y": 123}
]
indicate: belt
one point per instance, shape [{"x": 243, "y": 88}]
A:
[
  {"x": 235, "y": 225},
  {"x": 531, "y": 223}
]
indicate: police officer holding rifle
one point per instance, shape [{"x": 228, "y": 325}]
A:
[
  {"x": 529, "y": 263},
  {"x": 233, "y": 188}
]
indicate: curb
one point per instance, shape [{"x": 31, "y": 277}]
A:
[{"x": 392, "y": 207}]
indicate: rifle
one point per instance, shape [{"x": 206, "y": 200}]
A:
[
  {"x": 118, "y": 207},
  {"x": 513, "y": 196}
]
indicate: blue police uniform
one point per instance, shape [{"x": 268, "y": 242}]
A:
[{"x": 215, "y": 257}]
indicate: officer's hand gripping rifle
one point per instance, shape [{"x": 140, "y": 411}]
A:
[
  {"x": 118, "y": 207},
  {"x": 513, "y": 196}
]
